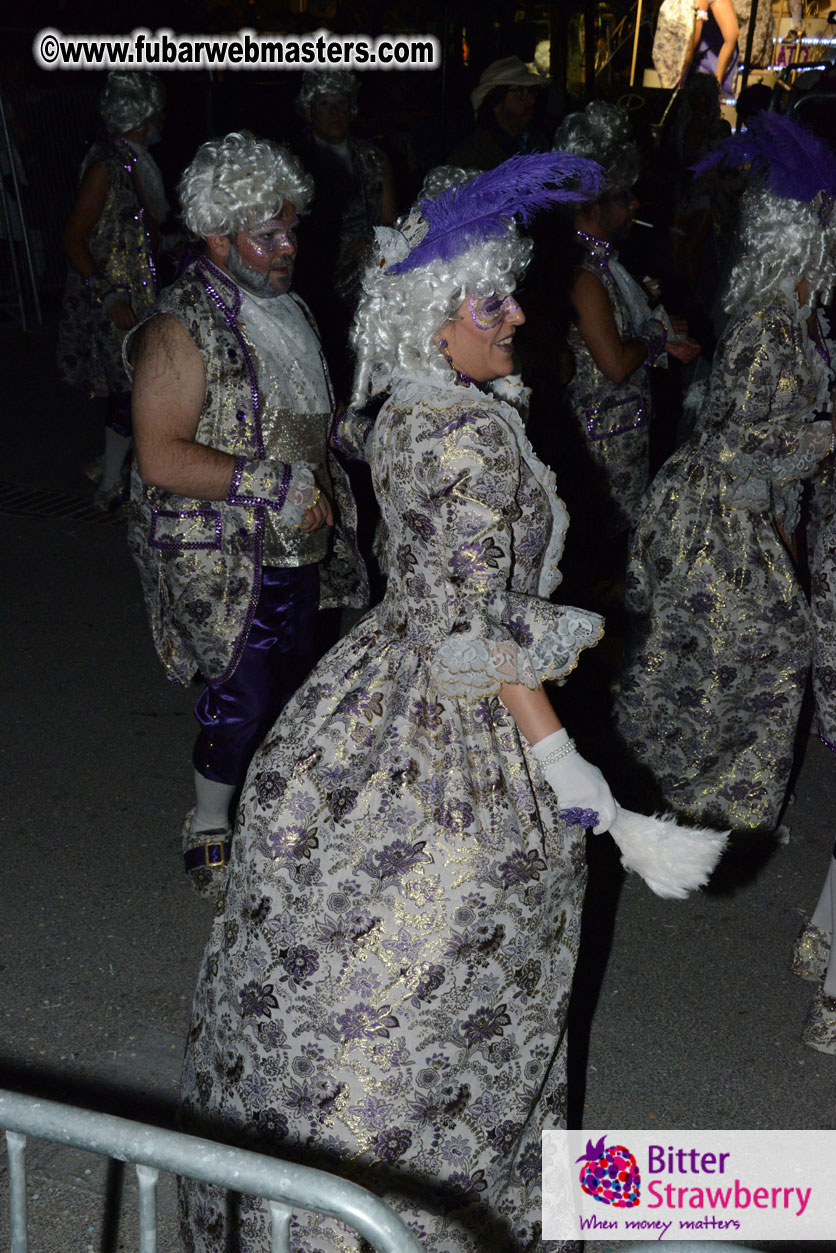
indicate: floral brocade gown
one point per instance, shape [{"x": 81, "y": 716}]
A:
[
  {"x": 712, "y": 691},
  {"x": 384, "y": 993}
]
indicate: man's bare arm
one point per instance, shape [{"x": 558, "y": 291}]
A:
[
  {"x": 617, "y": 359},
  {"x": 168, "y": 394}
]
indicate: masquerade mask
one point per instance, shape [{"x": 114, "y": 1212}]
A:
[
  {"x": 489, "y": 311},
  {"x": 272, "y": 236}
]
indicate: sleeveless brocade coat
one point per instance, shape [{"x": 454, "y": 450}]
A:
[{"x": 200, "y": 561}]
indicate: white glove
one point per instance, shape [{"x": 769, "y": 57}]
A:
[{"x": 577, "y": 784}]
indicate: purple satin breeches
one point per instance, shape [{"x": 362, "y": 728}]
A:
[{"x": 280, "y": 651}]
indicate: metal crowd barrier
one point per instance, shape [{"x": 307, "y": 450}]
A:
[{"x": 283, "y": 1184}]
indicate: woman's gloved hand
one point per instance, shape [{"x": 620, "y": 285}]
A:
[{"x": 574, "y": 780}]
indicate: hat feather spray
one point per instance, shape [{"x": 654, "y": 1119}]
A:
[
  {"x": 794, "y": 161},
  {"x": 482, "y": 207}
]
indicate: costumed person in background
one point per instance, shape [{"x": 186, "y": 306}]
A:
[
  {"x": 713, "y": 48},
  {"x": 813, "y": 956},
  {"x": 711, "y": 695},
  {"x": 355, "y": 192},
  {"x": 385, "y": 991},
  {"x": 504, "y": 102},
  {"x": 234, "y": 490},
  {"x": 615, "y": 337},
  {"x": 793, "y": 35},
  {"x": 111, "y": 242},
  {"x": 696, "y": 38}
]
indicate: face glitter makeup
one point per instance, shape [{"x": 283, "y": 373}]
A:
[
  {"x": 489, "y": 311},
  {"x": 274, "y": 235}
]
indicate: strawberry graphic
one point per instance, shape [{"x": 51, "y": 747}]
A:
[{"x": 610, "y": 1175}]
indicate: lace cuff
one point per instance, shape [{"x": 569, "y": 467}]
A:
[
  {"x": 814, "y": 441},
  {"x": 555, "y": 655},
  {"x": 468, "y": 667},
  {"x": 288, "y": 489}
]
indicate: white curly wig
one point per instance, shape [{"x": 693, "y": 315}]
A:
[
  {"x": 237, "y": 182},
  {"x": 399, "y": 314},
  {"x": 602, "y": 133},
  {"x": 324, "y": 82},
  {"x": 781, "y": 241},
  {"x": 440, "y": 177},
  {"x": 128, "y": 99}
]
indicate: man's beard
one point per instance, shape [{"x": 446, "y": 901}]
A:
[{"x": 252, "y": 280}]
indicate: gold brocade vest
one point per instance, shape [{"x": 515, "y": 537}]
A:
[
  {"x": 290, "y": 437},
  {"x": 200, "y": 561}
]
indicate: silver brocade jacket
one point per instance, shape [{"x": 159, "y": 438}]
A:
[{"x": 200, "y": 561}]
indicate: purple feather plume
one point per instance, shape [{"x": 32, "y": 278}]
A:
[
  {"x": 481, "y": 208},
  {"x": 796, "y": 162}
]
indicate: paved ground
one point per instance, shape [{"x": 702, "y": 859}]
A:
[{"x": 685, "y": 1015}]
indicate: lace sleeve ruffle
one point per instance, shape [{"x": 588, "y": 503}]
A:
[
  {"x": 288, "y": 490},
  {"x": 535, "y": 643},
  {"x": 797, "y": 455}
]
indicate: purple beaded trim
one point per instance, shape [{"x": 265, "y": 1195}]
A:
[
  {"x": 209, "y": 276},
  {"x": 259, "y": 502},
  {"x": 827, "y": 743},
  {"x": 212, "y": 278},
  {"x": 255, "y": 593},
  {"x": 820, "y": 349},
  {"x": 593, "y": 414},
  {"x": 211, "y": 516},
  {"x": 594, "y": 243},
  {"x": 580, "y": 817},
  {"x": 284, "y": 486},
  {"x": 235, "y": 481}
]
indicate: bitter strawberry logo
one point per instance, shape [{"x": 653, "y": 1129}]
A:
[{"x": 610, "y": 1175}]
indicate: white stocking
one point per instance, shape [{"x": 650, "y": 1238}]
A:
[{"x": 212, "y": 808}]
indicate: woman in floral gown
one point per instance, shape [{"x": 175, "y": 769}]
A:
[
  {"x": 711, "y": 695},
  {"x": 384, "y": 992}
]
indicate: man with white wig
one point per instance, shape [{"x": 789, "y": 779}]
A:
[{"x": 234, "y": 494}]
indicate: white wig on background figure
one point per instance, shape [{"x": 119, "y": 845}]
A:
[
  {"x": 328, "y": 82},
  {"x": 787, "y": 228},
  {"x": 602, "y": 133},
  {"x": 128, "y": 98},
  {"x": 781, "y": 241},
  {"x": 238, "y": 182}
]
